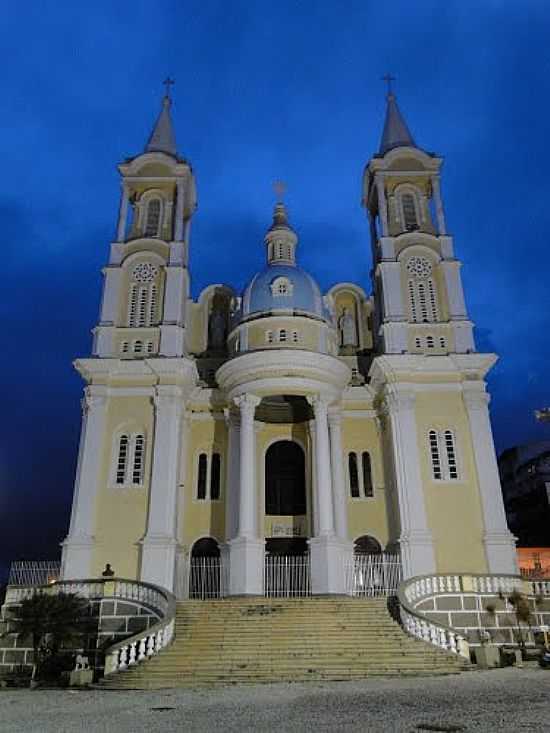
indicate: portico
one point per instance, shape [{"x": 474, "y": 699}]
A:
[{"x": 320, "y": 379}]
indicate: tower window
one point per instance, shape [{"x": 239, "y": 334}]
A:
[
  {"x": 143, "y": 296},
  {"x": 282, "y": 335},
  {"x": 215, "y": 474},
  {"x": 295, "y": 338},
  {"x": 152, "y": 221},
  {"x": 201, "y": 476},
  {"x": 418, "y": 342},
  {"x": 130, "y": 460},
  {"x": 443, "y": 455},
  {"x": 137, "y": 473},
  {"x": 122, "y": 459},
  {"x": 367, "y": 475},
  {"x": 353, "y": 475},
  {"x": 430, "y": 342},
  {"x": 434, "y": 453},
  {"x": 149, "y": 347},
  {"x": 409, "y": 212},
  {"x": 442, "y": 342},
  {"x": 269, "y": 337},
  {"x": 451, "y": 455},
  {"x": 281, "y": 287},
  {"x": 422, "y": 290},
  {"x": 138, "y": 347},
  {"x": 124, "y": 346}
]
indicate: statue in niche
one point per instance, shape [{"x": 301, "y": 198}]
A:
[
  {"x": 217, "y": 330},
  {"x": 347, "y": 328}
]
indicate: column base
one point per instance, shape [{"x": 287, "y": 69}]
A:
[
  {"x": 417, "y": 554},
  {"x": 158, "y": 561},
  {"x": 76, "y": 557},
  {"x": 246, "y": 566},
  {"x": 329, "y": 556},
  {"x": 500, "y": 549}
]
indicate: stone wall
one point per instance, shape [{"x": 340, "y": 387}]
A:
[
  {"x": 468, "y": 614},
  {"x": 116, "y": 619}
]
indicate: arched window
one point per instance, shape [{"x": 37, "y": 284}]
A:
[
  {"x": 353, "y": 475},
  {"x": 201, "y": 476},
  {"x": 122, "y": 459},
  {"x": 209, "y": 477},
  {"x": 281, "y": 286},
  {"x": 368, "y": 489},
  {"x": 443, "y": 455},
  {"x": 124, "y": 346},
  {"x": 450, "y": 454},
  {"x": 282, "y": 335},
  {"x": 430, "y": 342},
  {"x": 152, "y": 220},
  {"x": 143, "y": 296},
  {"x": 139, "y": 447},
  {"x": 138, "y": 347},
  {"x": 409, "y": 212},
  {"x": 130, "y": 460},
  {"x": 295, "y": 338},
  {"x": 269, "y": 337},
  {"x": 435, "y": 456},
  {"x": 422, "y": 290}
]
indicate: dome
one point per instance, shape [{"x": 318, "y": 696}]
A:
[{"x": 282, "y": 288}]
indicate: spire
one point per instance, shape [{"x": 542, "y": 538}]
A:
[
  {"x": 396, "y": 134},
  {"x": 281, "y": 239},
  {"x": 162, "y": 139}
]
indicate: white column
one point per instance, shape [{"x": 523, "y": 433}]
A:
[
  {"x": 328, "y": 553},
  {"x": 337, "y": 464},
  {"x": 499, "y": 542},
  {"x": 233, "y": 489},
  {"x": 246, "y": 551},
  {"x": 382, "y": 204},
  {"x": 178, "y": 223},
  {"x": 78, "y": 546},
  {"x": 160, "y": 541},
  {"x": 440, "y": 214},
  {"x": 122, "y": 214},
  {"x": 416, "y": 541},
  {"x": 181, "y": 581},
  {"x": 322, "y": 467}
]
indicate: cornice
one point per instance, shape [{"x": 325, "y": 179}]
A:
[{"x": 179, "y": 371}]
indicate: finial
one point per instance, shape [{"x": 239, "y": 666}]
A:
[
  {"x": 388, "y": 78},
  {"x": 280, "y": 189},
  {"x": 168, "y": 83}
]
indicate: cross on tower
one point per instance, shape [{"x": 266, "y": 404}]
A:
[
  {"x": 388, "y": 78},
  {"x": 280, "y": 189},
  {"x": 168, "y": 83}
]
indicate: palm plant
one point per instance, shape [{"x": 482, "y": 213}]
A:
[{"x": 51, "y": 621}]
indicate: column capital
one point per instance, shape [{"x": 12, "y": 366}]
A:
[
  {"x": 476, "y": 399},
  {"x": 93, "y": 401},
  {"x": 168, "y": 397},
  {"x": 320, "y": 403},
  {"x": 398, "y": 400},
  {"x": 247, "y": 404},
  {"x": 335, "y": 416}
]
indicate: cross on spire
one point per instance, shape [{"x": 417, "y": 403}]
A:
[
  {"x": 388, "y": 78},
  {"x": 280, "y": 189},
  {"x": 168, "y": 83}
]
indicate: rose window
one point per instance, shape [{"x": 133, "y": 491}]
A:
[
  {"x": 145, "y": 272},
  {"x": 419, "y": 267}
]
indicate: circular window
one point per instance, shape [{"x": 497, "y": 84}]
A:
[
  {"x": 145, "y": 272},
  {"x": 419, "y": 266}
]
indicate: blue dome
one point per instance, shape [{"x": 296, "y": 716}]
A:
[{"x": 283, "y": 288}]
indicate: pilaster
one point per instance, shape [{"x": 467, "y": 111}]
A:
[{"x": 498, "y": 540}]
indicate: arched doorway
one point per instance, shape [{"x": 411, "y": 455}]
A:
[
  {"x": 204, "y": 572},
  {"x": 285, "y": 479},
  {"x": 367, "y": 545}
]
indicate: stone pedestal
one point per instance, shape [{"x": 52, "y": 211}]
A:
[
  {"x": 330, "y": 558},
  {"x": 246, "y": 566}
]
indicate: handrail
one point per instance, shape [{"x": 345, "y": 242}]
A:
[{"x": 417, "y": 625}]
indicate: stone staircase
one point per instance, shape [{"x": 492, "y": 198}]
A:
[{"x": 276, "y": 640}]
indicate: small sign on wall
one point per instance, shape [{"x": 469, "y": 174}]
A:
[{"x": 286, "y": 526}]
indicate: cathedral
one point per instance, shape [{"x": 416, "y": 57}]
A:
[{"x": 283, "y": 421}]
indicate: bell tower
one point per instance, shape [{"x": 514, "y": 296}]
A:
[
  {"x": 146, "y": 282},
  {"x": 417, "y": 283}
]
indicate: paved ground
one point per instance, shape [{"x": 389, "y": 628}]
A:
[{"x": 503, "y": 700}]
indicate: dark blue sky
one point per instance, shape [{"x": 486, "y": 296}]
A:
[{"x": 264, "y": 91}]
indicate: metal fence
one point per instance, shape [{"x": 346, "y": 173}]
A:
[
  {"x": 287, "y": 576},
  {"x": 373, "y": 575},
  {"x": 34, "y": 572},
  {"x": 207, "y": 578}
]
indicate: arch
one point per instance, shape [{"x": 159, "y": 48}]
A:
[
  {"x": 366, "y": 544},
  {"x": 285, "y": 479},
  {"x": 205, "y": 547}
]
